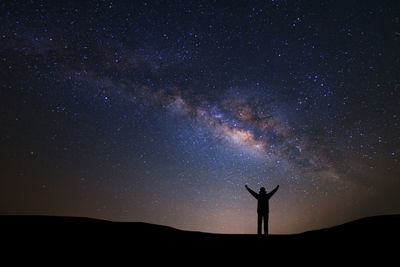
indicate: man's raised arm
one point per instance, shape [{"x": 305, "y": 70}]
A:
[
  {"x": 251, "y": 192},
  {"x": 270, "y": 194}
]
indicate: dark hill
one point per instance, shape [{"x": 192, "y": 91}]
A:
[
  {"x": 371, "y": 226},
  {"x": 373, "y": 234},
  {"x": 377, "y": 227}
]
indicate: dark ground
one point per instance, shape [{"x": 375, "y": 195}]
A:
[{"x": 372, "y": 238}]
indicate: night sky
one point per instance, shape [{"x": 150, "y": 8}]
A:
[{"x": 161, "y": 111}]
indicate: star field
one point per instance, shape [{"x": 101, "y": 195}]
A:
[{"x": 161, "y": 111}]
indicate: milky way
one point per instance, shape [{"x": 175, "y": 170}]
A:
[{"x": 162, "y": 111}]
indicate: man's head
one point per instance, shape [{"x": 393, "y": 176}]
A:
[{"x": 262, "y": 190}]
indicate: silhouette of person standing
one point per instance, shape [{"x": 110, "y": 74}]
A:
[{"x": 262, "y": 207}]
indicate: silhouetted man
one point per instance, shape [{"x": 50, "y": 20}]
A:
[{"x": 262, "y": 207}]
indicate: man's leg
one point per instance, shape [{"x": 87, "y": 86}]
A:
[
  {"x": 266, "y": 224},
  {"x": 259, "y": 222}
]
